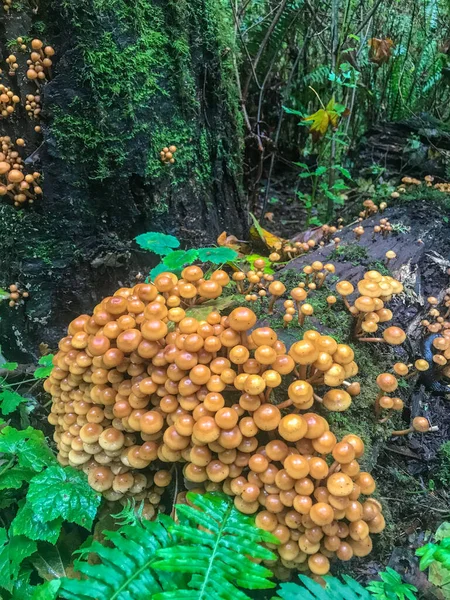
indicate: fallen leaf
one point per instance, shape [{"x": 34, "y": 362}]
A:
[
  {"x": 269, "y": 216},
  {"x": 272, "y": 241},
  {"x": 380, "y": 50}
]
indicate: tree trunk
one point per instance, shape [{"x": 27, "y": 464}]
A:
[{"x": 130, "y": 77}]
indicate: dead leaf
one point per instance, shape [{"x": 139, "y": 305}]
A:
[
  {"x": 324, "y": 117},
  {"x": 272, "y": 241},
  {"x": 380, "y": 50},
  {"x": 229, "y": 241},
  {"x": 269, "y": 216}
]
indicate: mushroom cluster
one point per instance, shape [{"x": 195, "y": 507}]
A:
[
  {"x": 8, "y": 101},
  {"x": 33, "y": 108},
  {"x": 13, "y": 65},
  {"x": 437, "y": 322},
  {"x": 167, "y": 155},
  {"x": 369, "y": 307},
  {"x": 7, "y": 5},
  {"x": 20, "y": 187},
  {"x": 16, "y": 295},
  {"x": 40, "y": 62},
  {"x": 141, "y": 383}
]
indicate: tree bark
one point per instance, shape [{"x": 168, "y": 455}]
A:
[{"x": 129, "y": 78}]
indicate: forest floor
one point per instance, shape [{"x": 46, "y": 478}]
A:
[{"x": 412, "y": 472}]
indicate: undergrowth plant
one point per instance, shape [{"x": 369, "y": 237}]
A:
[{"x": 173, "y": 259}]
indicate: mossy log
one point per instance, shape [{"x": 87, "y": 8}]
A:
[{"x": 129, "y": 78}]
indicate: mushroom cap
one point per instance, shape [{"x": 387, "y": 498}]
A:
[
  {"x": 344, "y": 288},
  {"x": 365, "y": 304},
  {"x": 322, "y": 513},
  {"x": 4, "y": 167},
  {"x": 421, "y": 424},
  {"x": 337, "y": 400},
  {"x": 373, "y": 276},
  {"x": 401, "y": 369},
  {"x": 304, "y": 352},
  {"x": 394, "y": 335},
  {"x": 387, "y": 382},
  {"x": 15, "y": 176},
  {"x": 369, "y": 288},
  {"x": 242, "y": 319},
  {"x": 390, "y": 254},
  {"x": 422, "y": 365},
  {"x": 339, "y": 484},
  {"x": 299, "y": 294},
  {"x": 277, "y": 288}
]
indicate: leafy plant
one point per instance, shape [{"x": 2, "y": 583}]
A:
[
  {"x": 175, "y": 260},
  {"x": 206, "y": 554},
  {"x": 308, "y": 589},
  {"x": 391, "y": 587},
  {"x": 436, "y": 552}
]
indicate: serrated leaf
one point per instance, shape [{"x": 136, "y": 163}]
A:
[
  {"x": 9, "y": 401},
  {"x": 159, "y": 243},
  {"x": 28, "y": 446},
  {"x": 63, "y": 492},
  {"x": 217, "y": 256},
  {"x": 179, "y": 258},
  {"x": 46, "y": 367},
  {"x": 9, "y": 366},
  {"x": 13, "y": 550},
  {"x": 14, "y": 477},
  {"x": 22, "y": 590},
  {"x": 28, "y": 522}
]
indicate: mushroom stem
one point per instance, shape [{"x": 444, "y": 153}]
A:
[
  {"x": 318, "y": 398},
  {"x": 321, "y": 282},
  {"x": 301, "y": 318},
  {"x": 285, "y": 404},
  {"x": 315, "y": 377},
  {"x": 359, "y": 320},
  {"x": 370, "y": 339},
  {"x": 377, "y": 406},
  {"x": 302, "y": 371},
  {"x": 335, "y": 466},
  {"x": 387, "y": 417},
  {"x": 346, "y": 302},
  {"x": 271, "y": 303},
  {"x": 267, "y": 394},
  {"x": 244, "y": 338}
]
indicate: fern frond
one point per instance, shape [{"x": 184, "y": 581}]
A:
[
  {"x": 126, "y": 568},
  {"x": 334, "y": 590},
  {"x": 223, "y": 547}
]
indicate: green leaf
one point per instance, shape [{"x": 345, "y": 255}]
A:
[
  {"x": 343, "y": 171},
  {"x": 302, "y": 165},
  {"x": 9, "y": 401},
  {"x": 217, "y": 256},
  {"x": 12, "y": 552},
  {"x": 28, "y": 446},
  {"x": 217, "y": 556},
  {"x": 9, "y": 366},
  {"x": 320, "y": 171},
  {"x": 14, "y": 477},
  {"x": 159, "y": 243},
  {"x": 335, "y": 589},
  {"x": 292, "y": 111},
  {"x": 442, "y": 532},
  {"x": 125, "y": 569},
  {"x": 46, "y": 363},
  {"x": 179, "y": 258},
  {"x": 250, "y": 258},
  {"x": 47, "y": 591},
  {"x": 28, "y": 522},
  {"x": 63, "y": 492},
  {"x": 161, "y": 268},
  {"x": 48, "y": 562},
  {"x": 305, "y": 175},
  {"x": 4, "y": 295}
]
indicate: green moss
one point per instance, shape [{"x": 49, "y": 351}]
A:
[
  {"x": 442, "y": 473},
  {"x": 142, "y": 65},
  {"x": 353, "y": 253}
]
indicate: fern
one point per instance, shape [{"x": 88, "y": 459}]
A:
[
  {"x": 219, "y": 554},
  {"x": 126, "y": 569},
  {"x": 335, "y": 589},
  {"x": 206, "y": 555}
]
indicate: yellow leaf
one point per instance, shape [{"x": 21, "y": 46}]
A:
[{"x": 322, "y": 119}]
